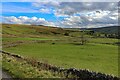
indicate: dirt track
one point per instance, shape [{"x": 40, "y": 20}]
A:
[{"x": 5, "y": 74}]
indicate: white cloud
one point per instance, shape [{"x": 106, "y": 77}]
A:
[
  {"x": 44, "y": 10},
  {"x": 91, "y": 19},
  {"x": 104, "y": 17},
  {"x": 74, "y": 14},
  {"x": 72, "y": 21},
  {"x": 64, "y": 12},
  {"x": 65, "y": 9},
  {"x": 97, "y": 14},
  {"x": 12, "y": 19},
  {"x": 46, "y": 6},
  {"x": 83, "y": 13},
  {"x": 27, "y": 20},
  {"x": 60, "y": 13},
  {"x": 46, "y": 3},
  {"x": 70, "y": 8}
]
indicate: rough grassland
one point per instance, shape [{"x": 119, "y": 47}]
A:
[
  {"x": 96, "y": 57},
  {"x": 24, "y": 70}
]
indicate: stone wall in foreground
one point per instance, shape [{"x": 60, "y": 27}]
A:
[{"x": 79, "y": 74}]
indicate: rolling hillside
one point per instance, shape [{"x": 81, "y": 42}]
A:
[
  {"x": 107, "y": 30},
  {"x": 15, "y": 30}
]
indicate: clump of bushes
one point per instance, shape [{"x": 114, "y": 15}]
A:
[
  {"x": 66, "y": 34},
  {"x": 53, "y": 43}
]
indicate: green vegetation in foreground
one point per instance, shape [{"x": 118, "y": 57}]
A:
[
  {"x": 21, "y": 69},
  {"x": 96, "y": 57}
]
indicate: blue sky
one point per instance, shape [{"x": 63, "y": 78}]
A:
[
  {"x": 24, "y": 9},
  {"x": 61, "y": 14}
]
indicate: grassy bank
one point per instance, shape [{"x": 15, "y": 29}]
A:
[{"x": 21, "y": 69}]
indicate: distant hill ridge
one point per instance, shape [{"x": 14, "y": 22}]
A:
[
  {"x": 13, "y": 30},
  {"x": 106, "y": 30},
  {"x": 21, "y": 30}
]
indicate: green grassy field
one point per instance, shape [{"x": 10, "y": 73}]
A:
[
  {"x": 99, "y": 54},
  {"x": 16, "y": 39},
  {"x": 104, "y": 40},
  {"x": 96, "y": 57}
]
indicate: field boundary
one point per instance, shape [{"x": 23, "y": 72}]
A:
[
  {"x": 76, "y": 73},
  {"x": 14, "y": 44}
]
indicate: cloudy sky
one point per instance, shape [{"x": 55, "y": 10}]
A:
[{"x": 61, "y": 14}]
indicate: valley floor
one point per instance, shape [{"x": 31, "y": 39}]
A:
[{"x": 95, "y": 55}]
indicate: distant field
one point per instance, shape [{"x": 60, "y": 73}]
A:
[
  {"x": 104, "y": 40},
  {"x": 96, "y": 57},
  {"x": 16, "y": 39},
  {"x": 90, "y": 40}
]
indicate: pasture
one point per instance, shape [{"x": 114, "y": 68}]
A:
[
  {"x": 52, "y": 46},
  {"x": 93, "y": 56}
]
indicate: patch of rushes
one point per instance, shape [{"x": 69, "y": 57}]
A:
[{"x": 21, "y": 69}]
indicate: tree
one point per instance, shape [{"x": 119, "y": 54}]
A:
[
  {"x": 66, "y": 34},
  {"x": 83, "y": 39},
  {"x": 106, "y": 35}
]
